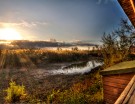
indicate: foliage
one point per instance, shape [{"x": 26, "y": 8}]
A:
[
  {"x": 116, "y": 45},
  {"x": 88, "y": 91},
  {"x": 52, "y": 96},
  {"x": 15, "y": 93},
  {"x": 78, "y": 92},
  {"x": 32, "y": 57}
]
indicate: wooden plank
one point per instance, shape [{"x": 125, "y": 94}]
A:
[
  {"x": 113, "y": 80},
  {"x": 112, "y": 94},
  {"x": 109, "y": 101},
  {"x": 127, "y": 7},
  {"x": 132, "y": 99},
  {"x": 130, "y": 93},
  {"x": 126, "y": 91},
  {"x": 112, "y": 90},
  {"x": 121, "y": 76},
  {"x": 111, "y": 97},
  {"x": 117, "y": 85}
]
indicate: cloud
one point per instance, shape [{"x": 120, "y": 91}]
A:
[
  {"x": 104, "y": 1},
  {"x": 41, "y": 23},
  {"x": 22, "y": 23}
]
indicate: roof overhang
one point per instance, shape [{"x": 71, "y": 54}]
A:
[{"x": 129, "y": 8}]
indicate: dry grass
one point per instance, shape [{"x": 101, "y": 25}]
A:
[
  {"x": 35, "y": 58},
  {"x": 17, "y": 65}
]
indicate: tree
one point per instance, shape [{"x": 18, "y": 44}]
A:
[{"x": 116, "y": 45}]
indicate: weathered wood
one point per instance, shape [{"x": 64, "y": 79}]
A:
[
  {"x": 129, "y": 8},
  {"x": 129, "y": 94},
  {"x": 111, "y": 94},
  {"x": 117, "y": 85},
  {"x": 113, "y": 86},
  {"x": 125, "y": 92},
  {"x": 112, "y": 90},
  {"x": 109, "y": 101},
  {"x": 115, "y": 79},
  {"x": 121, "y": 76},
  {"x": 118, "y": 81},
  {"x": 132, "y": 99},
  {"x": 112, "y": 97}
]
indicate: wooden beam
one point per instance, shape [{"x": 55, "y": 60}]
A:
[
  {"x": 127, "y": 91},
  {"x": 133, "y": 5},
  {"x": 129, "y": 8}
]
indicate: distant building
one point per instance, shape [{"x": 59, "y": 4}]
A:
[{"x": 53, "y": 40}]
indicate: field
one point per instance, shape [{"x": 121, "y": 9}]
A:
[{"x": 28, "y": 67}]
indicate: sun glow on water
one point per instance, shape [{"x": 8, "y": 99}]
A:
[{"x": 10, "y": 34}]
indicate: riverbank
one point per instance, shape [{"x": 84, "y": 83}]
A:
[
  {"x": 40, "y": 86},
  {"x": 35, "y": 58},
  {"x": 50, "y": 73}
]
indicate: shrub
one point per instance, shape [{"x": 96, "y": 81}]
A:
[
  {"x": 87, "y": 91},
  {"x": 117, "y": 44},
  {"x": 15, "y": 93}
]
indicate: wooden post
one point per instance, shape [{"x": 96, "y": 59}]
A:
[{"x": 126, "y": 94}]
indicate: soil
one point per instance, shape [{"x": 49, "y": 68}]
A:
[{"x": 38, "y": 81}]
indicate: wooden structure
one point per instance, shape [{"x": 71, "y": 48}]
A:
[
  {"x": 129, "y": 8},
  {"x": 115, "y": 79},
  {"x": 119, "y": 80},
  {"x": 128, "y": 95}
]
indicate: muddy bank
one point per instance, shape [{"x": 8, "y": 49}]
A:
[
  {"x": 41, "y": 81},
  {"x": 66, "y": 68}
]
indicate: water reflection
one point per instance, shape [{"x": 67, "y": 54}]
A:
[{"x": 79, "y": 68}]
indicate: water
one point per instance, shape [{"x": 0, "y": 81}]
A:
[
  {"x": 70, "y": 48},
  {"x": 79, "y": 68}
]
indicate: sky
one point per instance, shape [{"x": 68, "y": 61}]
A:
[{"x": 63, "y": 20}]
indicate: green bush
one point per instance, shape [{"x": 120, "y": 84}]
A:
[{"x": 15, "y": 93}]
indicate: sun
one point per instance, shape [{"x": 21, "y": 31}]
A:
[{"x": 10, "y": 34}]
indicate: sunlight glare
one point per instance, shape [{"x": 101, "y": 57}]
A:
[{"x": 10, "y": 34}]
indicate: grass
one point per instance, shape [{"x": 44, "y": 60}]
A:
[
  {"x": 59, "y": 89},
  {"x": 84, "y": 92},
  {"x": 34, "y": 58},
  {"x": 85, "y": 89}
]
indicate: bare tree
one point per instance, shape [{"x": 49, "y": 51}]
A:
[{"x": 116, "y": 45}]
